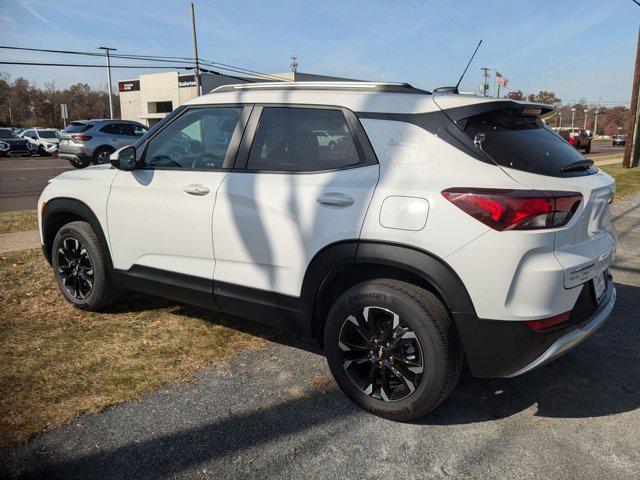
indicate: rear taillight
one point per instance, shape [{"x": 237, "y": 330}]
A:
[
  {"x": 515, "y": 209},
  {"x": 546, "y": 323},
  {"x": 80, "y": 138}
]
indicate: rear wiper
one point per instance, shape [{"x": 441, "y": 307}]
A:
[{"x": 577, "y": 165}]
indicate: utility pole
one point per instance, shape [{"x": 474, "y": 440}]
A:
[
  {"x": 195, "y": 49},
  {"x": 107, "y": 50},
  {"x": 485, "y": 87},
  {"x": 632, "y": 147},
  {"x": 595, "y": 120},
  {"x": 573, "y": 116},
  {"x": 294, "y": 63},
  {"x": 585, "y": 119}
]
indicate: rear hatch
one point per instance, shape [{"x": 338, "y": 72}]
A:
[
  {"x": 73, "y": 129},
  {"x": 512, "y": 135}
]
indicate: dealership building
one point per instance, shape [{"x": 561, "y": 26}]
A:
[{"x": 149, "y": 98}]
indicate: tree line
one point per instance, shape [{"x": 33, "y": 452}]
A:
[
  {"x": 25, "y": 104},
  {"x": 611, "y": 120}
]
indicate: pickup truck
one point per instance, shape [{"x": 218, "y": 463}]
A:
[{"x": 577, "y": 137}]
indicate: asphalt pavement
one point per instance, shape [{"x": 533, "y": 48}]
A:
[
  {"x": 276, "y": 413},
  {"x": 23, "y": 179}
]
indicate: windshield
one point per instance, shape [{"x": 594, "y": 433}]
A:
[
  {"x": 48, "y": 134},
  {"x": 523, "y": 142},
  {"x": 6, "y": 133}
]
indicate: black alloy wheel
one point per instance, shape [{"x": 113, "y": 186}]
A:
[
  {"x": 75, "y": 268},
  {"x": 381, "y": 355}
]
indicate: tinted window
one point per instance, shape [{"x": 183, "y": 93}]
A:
[
  {"x": 48, "y": 134},
  {"x": 113, "y": 129},
  {"x": 198, "y": 139},
  {"x": 522, "y": 142},
  {"x": 6, "y": 133},
  {"x": 302, "y": 139},
  {"x": 29, "y": 134},
  {"x": 77, "y": 127}
]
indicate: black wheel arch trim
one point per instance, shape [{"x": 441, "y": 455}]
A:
[{"x": 71, "y": 206}]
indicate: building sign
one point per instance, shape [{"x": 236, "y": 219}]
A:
[
  {"x": 187, "y": 81},
  {"x": 129, "y": 86}
]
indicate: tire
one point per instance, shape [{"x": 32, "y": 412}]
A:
[
  {"x": 101, "y": 155},
  {"x": 77, "y": 252},
  {"x": 79, "y": 163},
  {"x": 587, "y": 149},
  {"x": 423, "y": 328},
  {"x": 42, "y": 152}
]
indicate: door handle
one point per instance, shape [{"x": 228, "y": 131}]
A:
[
  {"x": 196, "y": 189},
  {"x": 335, "y": 200}
]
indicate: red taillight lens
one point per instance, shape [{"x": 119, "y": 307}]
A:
[
  {"x": 515, "y": 209},
  {"x": 80, "y": 138},
  {"x": 544, "y": 323}
]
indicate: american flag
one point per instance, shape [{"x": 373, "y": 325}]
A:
[{"x": 504, "y": 81}]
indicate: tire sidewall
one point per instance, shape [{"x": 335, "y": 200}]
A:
[
  {"x": 433, "y": 351},
  {"x": 96, "y": 257}
]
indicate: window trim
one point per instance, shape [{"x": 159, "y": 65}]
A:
[
  {"x": 232, "y": 149},
  {"x": 363, "y": 146}
]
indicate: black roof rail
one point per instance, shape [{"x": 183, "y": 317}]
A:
[{"x": 330, "y": 86}]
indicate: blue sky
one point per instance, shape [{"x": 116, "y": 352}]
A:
[{"x": 577, "y": 48}]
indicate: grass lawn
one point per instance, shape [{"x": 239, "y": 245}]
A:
[
  {"x": 57, "y": 361},
  {"x": 18, "y": 221},
  {"x": 627, "y": 179}
]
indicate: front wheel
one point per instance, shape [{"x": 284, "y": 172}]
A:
[
  {"x": 392, "y": 348},
  {"x": 81, "y": 268}
]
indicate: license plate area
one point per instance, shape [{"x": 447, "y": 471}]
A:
[{"x": 599, "y": 287}]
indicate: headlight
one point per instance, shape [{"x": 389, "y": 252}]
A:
[
  {"x": 51, "y": 145},
  {"x": 4, "y": 146},
  {"x": 32, "y": 146}
]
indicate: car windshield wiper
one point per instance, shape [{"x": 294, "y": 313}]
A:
[{"x": 577, "y": 165}]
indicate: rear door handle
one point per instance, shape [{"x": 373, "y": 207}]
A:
[
  {"x": 196, "y": 189},
  {"x": 335, "y": 199}
]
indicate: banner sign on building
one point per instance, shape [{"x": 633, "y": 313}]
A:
[
  {"x": 187, "y": 81},
  {"x": 129, "y": 86}
]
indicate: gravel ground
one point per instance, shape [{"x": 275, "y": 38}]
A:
[{"x": 276, "y": 413}]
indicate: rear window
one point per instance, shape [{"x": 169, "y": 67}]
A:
[
  {"x": 77, "y": 127},
  {"x": 524, "y": 142}
]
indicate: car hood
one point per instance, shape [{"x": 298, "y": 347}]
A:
[{"x": 14, "y": 141}]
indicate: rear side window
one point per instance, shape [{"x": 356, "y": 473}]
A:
[
  {"x": 77, "y": 127},
  {"x": 523, "y": 142},
  {"x": 113, "y": 129},
  {"x": 302, "y": 140}
]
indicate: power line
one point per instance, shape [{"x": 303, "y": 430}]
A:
[
  {"x": 89, "y": 65},
  {"x": 157, "y": 58}
]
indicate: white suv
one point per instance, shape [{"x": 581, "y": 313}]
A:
[{"x": 440, "y": 227}]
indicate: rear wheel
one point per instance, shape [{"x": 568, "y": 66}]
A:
[
  {"x": 81, "y": 268},
  {"x": 392, "y": 348},
  {"x": 588, "y": 148},
  {"x": 77, "y": 163},
  {"x": 102, "y": 154}
]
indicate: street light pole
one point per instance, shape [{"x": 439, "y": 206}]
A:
[
  {"x": 573, "y": 116},
  {"x": 195, "y": 50},
  {"x": 107, "y": 50},
  {"x": 585, "y": 119}
]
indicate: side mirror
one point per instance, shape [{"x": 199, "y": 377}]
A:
[{"x": 125, "y": 158}]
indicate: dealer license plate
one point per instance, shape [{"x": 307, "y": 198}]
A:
[{"x": 599, "y": 286}]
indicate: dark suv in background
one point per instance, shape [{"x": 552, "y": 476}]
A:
[{"x": 92, "y": 141}]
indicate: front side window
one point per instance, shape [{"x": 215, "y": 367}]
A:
[
  {"x": 302, "y": 140},
  {"x": 523, "y": 142},
  {"x": 198, "y": 139}
]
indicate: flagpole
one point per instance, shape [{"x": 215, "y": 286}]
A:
[{"x": 498, "y": 96}]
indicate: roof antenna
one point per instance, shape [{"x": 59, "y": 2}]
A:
[{"x": 455, "y": 89}]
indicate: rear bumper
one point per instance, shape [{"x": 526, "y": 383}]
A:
[
  {"x": 498, "y": 348},
  {"x": 74, "y": 157}
]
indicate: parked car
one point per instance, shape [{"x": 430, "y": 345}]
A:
[
  {"x": 45, "y": 138},
  {"x": 11, "y": 145},
  {"x": 577, "y": 137},
  {"x": 619, "y": 140},
  {"x": 420, "y": 244},
  {"x": 84, "y": 142}
]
